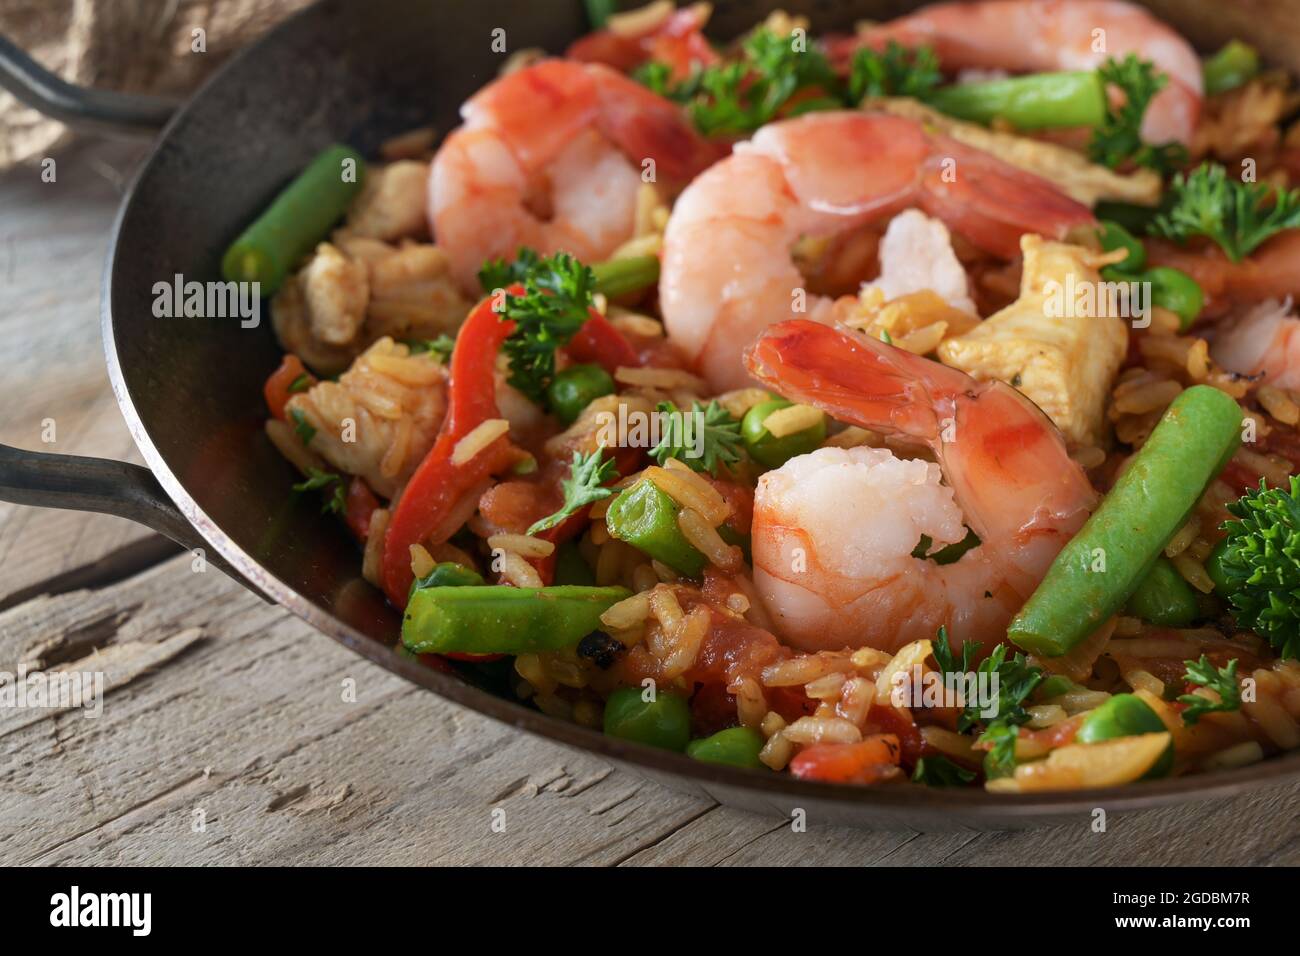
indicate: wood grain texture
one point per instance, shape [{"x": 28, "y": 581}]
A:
[{"x": 291, "y": 750}]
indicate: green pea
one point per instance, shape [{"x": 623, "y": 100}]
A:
[
  {"x": 1053, "y": 687},
  {"x": 1176, "y": 291},
  {"x": 735, "y": 747},
  {"x": 1164, "y": 598},
  {"x": 663, "y": 722},
  {"x": 1126, "y": 715},
  {"x": 765, "y": 448},
  {"x": 575, "y": 388},
  {"x": 1214, "y": 568},
  {"x": 1114, "y": 236},
  {"x": 1235, "y": 64}
]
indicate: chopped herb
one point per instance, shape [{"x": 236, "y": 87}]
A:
[
  {"x": 441, "y": 347},
  {"x": 1221, "y": 680},
  {"x": 305, "y": 430},
  {"x": 300, "y": 384},
  {"x": 1000, "y": 760},
  {"x": 897, "y": 71},
  {"x": 1238, "y": 216},
  {"x": 705, "y": 438},
  {"x": 1119, "y": 138},
  {"x": 585, "y": 484},
  {"x": 555, "y": 302},
  {"x": 939, "y": 771},
  {"x": 336, "y": 502},
  {"x": 886, "y": 337}
]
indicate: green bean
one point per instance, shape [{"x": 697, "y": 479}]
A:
[
  {"x": 646, "y": 518},
  {"x": 448, "y": 574},
  {"x": 734, "y": 747},
  {"x": 299, "y": 218},
  {"x": 575, "y": 388},
  {"x": 765, "y": 448},
  {"x": 664, "y": 721},
  {"x": 1038, "y": 101},
  {"x": 1114, "y": 236},
  {"x": 1097, "y": 571},
  {"x": 1163, "y": 598},
  {"x": 1176, "y": 291},
  {"x": 619, "y": 277},
  {"x": 499, "y": 619},
  {"x": 1126, "y": 715},
  {"x": 1235, "y": 64}
]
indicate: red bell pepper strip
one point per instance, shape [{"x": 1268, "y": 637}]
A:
[
  {"x": 277, "y": 387},
  {"x": 360, "y": 505},
  {"x": 598, "y": 341},
  {"x": 438, "y": 484}
]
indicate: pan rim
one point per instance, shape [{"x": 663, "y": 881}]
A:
[{"x": 941, "y": 808}]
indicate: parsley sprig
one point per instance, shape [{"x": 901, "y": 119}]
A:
[
  {"x": 336, "y": 501},
  {"x": 939, "y": 771},
  {"x": 584, "y": 486},
  {"x": 894, "y": 71},
  {"x": 555, "y": 302},
  {"x": 705, "y": 438},
  {"x": 1221, "y": 680},
  {"x": 1238, "y": 216},
  {"x": 1119, "y": 138},
  {"x": 440, "y": 347},
  {"x": 1017, "y": 679}
]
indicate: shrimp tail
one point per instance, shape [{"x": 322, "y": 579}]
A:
[{"x": 857, "y": 379}]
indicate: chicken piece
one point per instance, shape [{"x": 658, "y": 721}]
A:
[
  {"x": 392, "y": 203},
  {"x": 412, "y": 294},
  {"x": 380, "y": 418},
  {"x": 1070, "y": 171},
  {"x": 1060, "y": 343},
  {"x": 336, "y": 290}
]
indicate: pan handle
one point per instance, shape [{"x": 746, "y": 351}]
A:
[
  {"x": 76, "y": 483},
  {"x": 31, "y": 83}
]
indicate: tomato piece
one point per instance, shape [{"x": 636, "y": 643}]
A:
[
  {"x": 277, "y": 388},
  {"x": 361, "y": 504},
  {"x": 866, "y": 761}
]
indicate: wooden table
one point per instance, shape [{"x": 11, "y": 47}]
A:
[{"x": 225, "y": 736}]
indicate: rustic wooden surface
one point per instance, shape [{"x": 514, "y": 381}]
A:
[{"x": 226, "y": 736}]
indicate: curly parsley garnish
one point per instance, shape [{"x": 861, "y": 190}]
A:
[
  {"x": 440, "y": 347},
  {"x": 1221, "y": 680},
  {"x": 1119, "y": 138},
  {"x": 939, "y": 771},
  {"x": 896, "y": 71},
  {"x": 1238, "y": 216},
  {"x": 705, "y": 438},
  {"x": 555, "y": 302},
  {"x": 305, "y": 430},
  {"x": 585, "y": 485}
]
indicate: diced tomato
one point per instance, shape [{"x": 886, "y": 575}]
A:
[
  {"x": 867, "y": 761},
  {"x": 900, "y": 725},
  {"x": 713, "y": 708},
  {"x": 277, "y": 388}
]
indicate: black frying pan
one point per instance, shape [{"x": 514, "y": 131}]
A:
[{"x": 191, "y": 389}]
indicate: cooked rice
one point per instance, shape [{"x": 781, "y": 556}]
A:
[
  {"x": 689, "y": 490},
  {"x": 478, "y": 439},
  {"x": 372, "y": 559},
  {"x": 776, "y": 753},
  {"x": 806, "y": 669},
  {"x": 791, "y": 420},
  {"x": 822, "y": 730},
  {"x": 705, "y": 539},
  {"x": 522, "y": 544},
  {"x": 421, "y": 561},
  {"x": 856, "y": 697},
  {"x": 662, "y": 378},
  {"x": 515, "y": 570}
]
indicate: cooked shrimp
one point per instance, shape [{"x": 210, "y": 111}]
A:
[
  {"x": 834, "y": 531},
  {"x": 1270, "y": 272},
  {"x": 551, "y": 157},
  {"x": 728, "y": 272},
  {"x": 1041, "y": 35},
  {"x": 654, "y": 32},
  {"x": 1265, "y": 341}
]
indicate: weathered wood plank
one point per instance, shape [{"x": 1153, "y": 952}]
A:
[{"x": 53, "y": 239}]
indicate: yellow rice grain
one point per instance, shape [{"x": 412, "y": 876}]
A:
[
  {"x": 1275, "y": 470},
  {"x": 1278, "y": 404},
  {"x": 554, "y": 706},
  {"x": 641, "y": 20},
  {"x": 923, "y": 341},
  {"x": 522, "y": 544},
  {"x": 482, "y": 436},
  {"x": 776, "y": 753},
  {"x": 634, "y": 323},
  {"x": 649, "y": 244},
  {"x": 792, "y": 419},
  {"x": 665, "y": 573},
  {"x": 822, "y": 730},
  {"x": 869, "y": 662},
  {"x": 805, "y": 669},
  {"x": 644, "y": 577},
  {"x": 856, "y": 697},
  {"x": 1046, "y": 715},
  {"x": 1146, "y": 398},
  {"x": 1200, "y": 549},
  {"x": 772, "y": 722},
  {"x": 566, "y": 673},
  {"x": 854, "y": 437},
  {"x": 1198, "y": 361},
  {"x": 742, "y": 400},
  {"x": 690, "y": 491},
  {"x": 372, "y": 559},
  {"x": 685, "y": 644},
  {"x": 1183, "y": 537},
  {"x": 1089, "y": 457},
  {"x": 737, "y": 603},
  {"x": 413, "y": 144},
  {"x": 1081, "y": 700},
  {"x": 1279, "y": 726},
  {"x": 421, "y": 560},
  {"x": 826, "y": 687},
  {"x": 665, "y": 378},
  {"x": 1164, "y": 321},
  {"x": 1238, "y": 755},
  {"x": 586, "y": 712},
  {"x": 529, "y": 667},
  {"x": 1291, "y": 701},
  {"x": 610, "y": 562},
  {"x": 1193, "y": 572},
  {"x": 416, "y": 371},
  {"x": 705, "y": 539},
  {"x": 390, "y": 466},
  {"x": 628, "y": 613},
  {"x": 600, "y": 534},
  {"x": 666, "y": 609},
  {"x": 952, "y": 744},
  {"x": 908, "y": 656},
  {"x": 751, "y": 706},
  {"x": 1140, "y": 679},
  {"x": 515, "y": 570}
]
